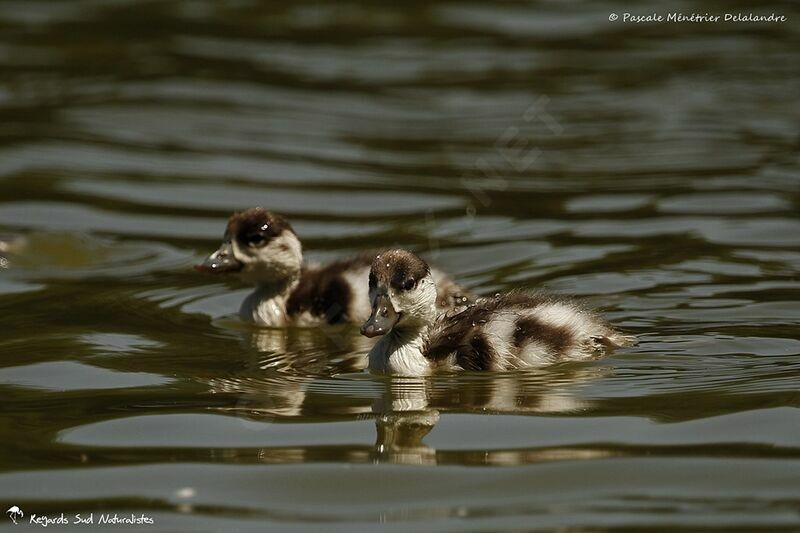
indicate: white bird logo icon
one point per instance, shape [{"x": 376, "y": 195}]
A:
[{"x": 15, "y": 512}]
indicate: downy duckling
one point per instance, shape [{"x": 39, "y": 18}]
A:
[
  {"x": 502, "y": 332},
  {"x": 261, "y": 248},
  {"x": 11, "y": 244}
]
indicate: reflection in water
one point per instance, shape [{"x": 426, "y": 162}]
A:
[
  {"x": 285, "y": 363},
  {"x": 668, "y": 198},
  {"x": 400, "y": 434},
  {"x": 411, "y": 407},
  {"x": 405, "y": 409},
  {"x": 310, "y": 349}
]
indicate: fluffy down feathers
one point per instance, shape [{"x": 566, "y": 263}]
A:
[{"x": 519, "y": 329}]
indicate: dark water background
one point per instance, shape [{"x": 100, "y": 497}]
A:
[{"x": 652, "y": 169}]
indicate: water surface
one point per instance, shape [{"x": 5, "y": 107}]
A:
[{"x": 650, "y": 169}]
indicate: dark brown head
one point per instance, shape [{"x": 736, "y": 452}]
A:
[
  {"x": 260, "y": 246},
  {"x": 401, "y": 291}
]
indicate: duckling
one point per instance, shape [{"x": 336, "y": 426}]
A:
[
  {"x": 262, "y": 248},
  {"x": 502, "y": 332},
  {"x": 11, "y": 244}
]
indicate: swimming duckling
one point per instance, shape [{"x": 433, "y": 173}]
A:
[
  {"x": 11, "y": 244},
  {"x": 502, "y": 332},
  {"x": 262, "y": 248}
]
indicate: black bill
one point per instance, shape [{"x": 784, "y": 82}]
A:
[
  {"x": 382, "y": 319},
  {"x": 220, "y": 261}
]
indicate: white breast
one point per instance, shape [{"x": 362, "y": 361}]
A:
[
  {"x": 392, "y": 355},
  {"x": 264, "y": 311}
]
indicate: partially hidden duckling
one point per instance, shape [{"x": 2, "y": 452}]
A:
[
  {"x": 502, "y": 332},
  {"x": 11, "y": 244},
  {"x": 261, "y": 248}
]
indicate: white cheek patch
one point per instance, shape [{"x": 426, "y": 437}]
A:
[
  {"x": 427, "y": 289},
  {"x": 284, "y": 249},
  {"x": 419, "y": 302},
  {"x": 401, "y": 301},
  {"x": 282, "y": 257},
  {"x": 408, "y": 300},
  {"x": 239, "y": 254}
]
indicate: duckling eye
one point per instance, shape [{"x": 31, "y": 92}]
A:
[
  {"x": 255, "y": 239},
  {"x": 409, "y": 284}
]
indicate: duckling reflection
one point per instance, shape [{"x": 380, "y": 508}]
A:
[
  {"x": 411, "y": 408},
  {"x": 283, "y": 364},
  {"x": 552, "y": 391},
  {"x": 338, "y": 340},
  {"x": 299, "y": 384},
  {"x": 535, "y": 391},
  {"x": 400, "y": 434}
]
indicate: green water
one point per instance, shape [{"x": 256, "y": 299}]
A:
[{"x": 651, "y": 169}]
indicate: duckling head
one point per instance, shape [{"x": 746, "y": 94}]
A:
[
  {"x": 259, "y": 246},
  {"x": 401, "y": 291}
]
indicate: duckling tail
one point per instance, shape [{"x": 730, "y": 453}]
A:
[{"x": 618, "y": 340}]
